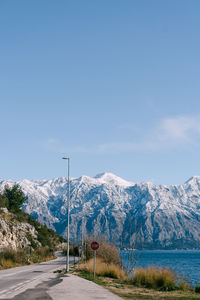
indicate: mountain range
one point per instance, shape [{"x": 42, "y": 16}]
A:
[{"x": 143, "y": 215}]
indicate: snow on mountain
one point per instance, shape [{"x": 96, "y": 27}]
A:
[
  {"x": 109, "y": 178},
  {"x": 152, "y": 216}
]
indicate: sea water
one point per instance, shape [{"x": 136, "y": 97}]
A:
[{"x": 185, "y": 263}]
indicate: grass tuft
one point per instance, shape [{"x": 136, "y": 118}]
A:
[
  {"x": 156, "y": 278},
  {"x": 103, "y": 269},
  {"x": 184, "y": 286}
]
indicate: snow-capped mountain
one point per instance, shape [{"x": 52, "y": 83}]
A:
[{"x": 144, "y": 214}]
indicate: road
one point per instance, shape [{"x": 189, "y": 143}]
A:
[
  {"x": 39, "y": 281},
  {"x": 15, "y": 279}
]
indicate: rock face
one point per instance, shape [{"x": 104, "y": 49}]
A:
[
  {"x": 15, "y": 234},
  {"x": 144, "y": 214}
]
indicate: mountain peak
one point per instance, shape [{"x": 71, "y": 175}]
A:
[
  {"x": 193, "y": 179},
  {"x": 103, "y": 174},
  {"x": 112, "y": 179}
]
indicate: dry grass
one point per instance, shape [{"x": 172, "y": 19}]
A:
[
  {"x": 138, "y": 293},
  {"x": 156, "y": 278},
  {"x": 10, "y": 258},
  {"x": 126, "y": 290},
  {"x": 103, "y": 269},
  {"x": 7, "y": 217},
  {"x": 107, "y": 251},
  {"x": 7, "y": 263},
  {"x": 184, "y": 286}
]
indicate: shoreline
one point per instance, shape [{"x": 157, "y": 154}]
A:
[{"x": 126, "y": 290}]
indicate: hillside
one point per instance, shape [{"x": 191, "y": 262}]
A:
[
  {"x": 159, "y": 216},
  {"x": 21, "y": 232},
  {"x": 15, "y": 234}
]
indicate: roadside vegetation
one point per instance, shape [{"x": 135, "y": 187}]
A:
[
  {"x": 143, "y": 283},
  {"x": 73, "y": 250},
  {"x": 103, "y": 269},
  {"x": 12, "y": 258},
  {"x": 12, "y": 199}
]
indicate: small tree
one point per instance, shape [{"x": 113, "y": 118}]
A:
[
  {"x": 15, "y": 197},
  {"x": 132, "y": 228}
]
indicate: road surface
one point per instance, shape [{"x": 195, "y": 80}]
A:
[
  {"x": 12, "y": 280},
  {"x": 39, "y": 281}
]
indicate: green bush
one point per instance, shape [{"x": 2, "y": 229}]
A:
[
  {"x": 197, "y": 289},
  {"x": 15, "y": 197},
  {"x": 73, "y": 250},
  {"x": 31, "y": 240}
]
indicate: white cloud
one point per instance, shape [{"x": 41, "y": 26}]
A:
[
  {"x": 169, "y": 133},
  {"x": 181, "y": 128}
]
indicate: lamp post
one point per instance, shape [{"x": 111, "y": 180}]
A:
[
  {"x": 82, "y": 234},
  {"x": 68, "y": 199}
]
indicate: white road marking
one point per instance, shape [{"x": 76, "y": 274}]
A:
[{"x": 11, "y": 274}]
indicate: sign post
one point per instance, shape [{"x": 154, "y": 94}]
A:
[{"x": 94, "y": 246}]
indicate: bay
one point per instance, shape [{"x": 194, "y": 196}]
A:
[{"x": 185, "y": 263}]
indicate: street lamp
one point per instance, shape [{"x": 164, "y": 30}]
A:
[
  {"x": 82, "y": 234},
  {"x": 68, "y": 199}
]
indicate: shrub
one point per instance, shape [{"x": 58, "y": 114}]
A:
[
  {"x": 41, "y": 253},
  {"x": 156, "y": 278},
  {"x": 197, "y": 289},
  {"x": 10, "y": 258},
  {"x": 43, "y": 236},
  {"x": 8, "y": 254},
  {"x": 3, "y": 201},
  {"x": 73, "y": 250},
  {"x": 184, "y": 286},
  {"x": 103, "y": 269},
  {"x": 31, "y": 240},
  {"x": 107, "y": 251}
]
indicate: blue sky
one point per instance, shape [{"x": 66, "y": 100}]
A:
[{"x": 112, "y": 84}]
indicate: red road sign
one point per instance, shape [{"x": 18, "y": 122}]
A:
[{"x": 94, "y": 245}]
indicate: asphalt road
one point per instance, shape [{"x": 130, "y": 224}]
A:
[
  {"x": 15, "y": 279},
  {"x": 40, "y": 282}
]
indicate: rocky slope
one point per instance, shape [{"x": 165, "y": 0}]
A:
[
  {"x": 15, "y": 234},
  {"x": 145, "y": 214}
]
